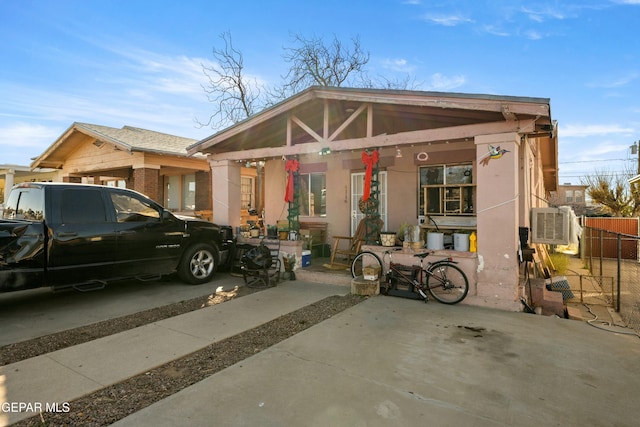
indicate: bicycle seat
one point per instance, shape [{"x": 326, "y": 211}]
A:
[{"x": 423, "y": 255}]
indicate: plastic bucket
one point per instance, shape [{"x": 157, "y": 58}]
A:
[
  {"x": 435, "y": 241},
  {"x": 461, "y": 242}
]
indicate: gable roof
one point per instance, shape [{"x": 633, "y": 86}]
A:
[
  {"x": 128, "y": 138},
  {"x": 350, "y": 118}
]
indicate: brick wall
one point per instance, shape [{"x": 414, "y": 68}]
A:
[
  {"x": 203, "y": 190},
  {"x": 147, "y": 181}
]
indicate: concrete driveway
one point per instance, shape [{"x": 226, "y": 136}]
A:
[
  {"x": 37, "y": 312},
  {"x": 392, "y": 361}
]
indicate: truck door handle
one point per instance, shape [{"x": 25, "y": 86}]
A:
[{"x": 68, "y": 234}]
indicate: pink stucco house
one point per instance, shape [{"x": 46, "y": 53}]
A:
[{"x": 451, "y": 161}]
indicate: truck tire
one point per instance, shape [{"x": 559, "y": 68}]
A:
[{"x": 199, "y": 264}]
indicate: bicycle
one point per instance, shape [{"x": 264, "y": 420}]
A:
[{"x": 442, "y": 279}]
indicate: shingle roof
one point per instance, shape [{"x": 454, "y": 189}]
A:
[{"x": 137, "y": 139}]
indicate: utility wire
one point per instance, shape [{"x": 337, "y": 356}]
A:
[{"x": 597, "y": 161}]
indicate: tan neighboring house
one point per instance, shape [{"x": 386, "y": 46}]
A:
[
  {"x": 15, "y": 174},
  {"x": 461, "y": 162},
  {"x": 153, "y": 163},
  {"x": 571, "y": 195}
]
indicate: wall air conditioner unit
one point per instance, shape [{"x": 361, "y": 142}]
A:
[{"x": 550, "y": 225}]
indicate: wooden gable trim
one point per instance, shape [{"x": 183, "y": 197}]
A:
[
  {"x": 414, "y": 137},
  {"x": 247, "y": 124},
  {"x": 325, "y": 120},
  {"x": 509, "y": 107},
  {"x": 514, "y": 105}
]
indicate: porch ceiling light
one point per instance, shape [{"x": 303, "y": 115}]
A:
[
  {"x": 422, "y": 156},
  {"x": 398, "y": 152},
  {"x": 324, "y": 151}
]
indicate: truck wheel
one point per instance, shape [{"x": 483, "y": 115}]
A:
[{"x": 198, "y": 264}]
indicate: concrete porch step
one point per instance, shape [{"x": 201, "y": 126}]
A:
[
  {"x": 328, "y": 277},
  {"x": 551, "y": 302}
]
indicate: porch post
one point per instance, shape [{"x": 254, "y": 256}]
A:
[
  {"x": 225, "y": 192},
  {"x": 146, "y": 180},
  {"x": 497, "y": 204},
  {"x": 8, "y": 183}
]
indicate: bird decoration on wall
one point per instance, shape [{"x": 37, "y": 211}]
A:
[{"x": 494, "y": 153}]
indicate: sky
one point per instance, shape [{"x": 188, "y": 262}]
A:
[{"x": 140, "y": 63}]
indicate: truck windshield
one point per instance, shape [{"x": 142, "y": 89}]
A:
[{"x": 25, "y": 203}]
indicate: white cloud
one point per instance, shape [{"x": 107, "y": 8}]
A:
[
  {"x": 603, "y": 148},
  {"x": 615, "y": 82},
  {"x": 150, "y": 90},
  {"x": 532, "y": 35},
  {"x": 21, "y": 141},
  {"x": 27, "y": 135},
  {"x": 398, "y": 64},
  {"x": 441, "y": 82},
  {"x": 544, "y": 14},
  {"x": 579, "y": 131},
  {"x": 447, "y": 20},
  {"x": 493, "y": 30},
  {"x": 161, "y": 73}
]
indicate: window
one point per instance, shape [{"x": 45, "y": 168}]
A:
[
  {"x": 82, "y": 207},
  {"x": 118, "y": 183},
  {"x": 246, "y": 192},
  {"x": 313, "y": 194},
  {"x": 568, "y": 196},
  {"x": 189, "y": 192},
  {"x": 131, "y": 209},
  {"x": 578, "y": 196},
  {"x": 26, "y": 203},
  {"x": 180, "y": 192},
  {"x": 447, "y": 190}
]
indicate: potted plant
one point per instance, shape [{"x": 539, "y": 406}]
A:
[
  {"x": 409, "y": 235},
  {"x": 283, "y": 233},
  {"x": 402, "y": 231}
]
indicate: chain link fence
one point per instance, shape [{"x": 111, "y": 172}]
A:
[{"x": 610, "y": 254}]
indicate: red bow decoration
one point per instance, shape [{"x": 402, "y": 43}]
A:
[
  {"x": 369, "y": 160},
  {"x": 291, "y": 166}
]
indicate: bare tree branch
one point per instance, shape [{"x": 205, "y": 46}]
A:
[
  {"x": 315, "y": 63},
  {"x": 235, "y": 96},
  {"x": 311, "y": 62},
  {"x": 406, "y": 82}
]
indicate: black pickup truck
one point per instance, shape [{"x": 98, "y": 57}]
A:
[{"x": 74, "y": 235}]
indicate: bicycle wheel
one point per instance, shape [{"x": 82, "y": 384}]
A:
[
  {"x": 366, "y": 263},
  {"x": 447, "y": 283}
]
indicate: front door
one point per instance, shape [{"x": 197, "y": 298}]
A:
[
  {"x": 147, "y": 243},
  {"x": 357, "y": 189},
  {"x": 83, "y": 247}
]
